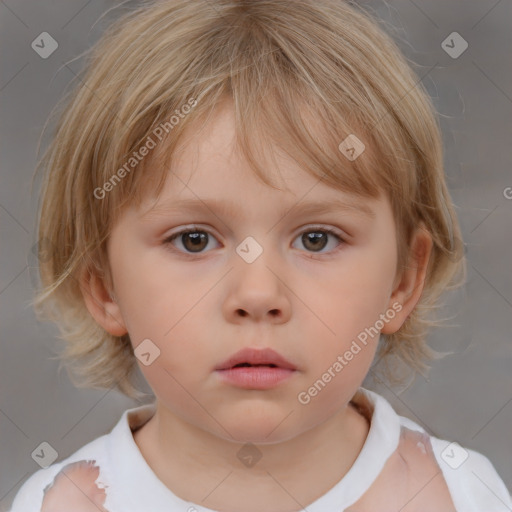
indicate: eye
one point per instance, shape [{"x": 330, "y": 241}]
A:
[
  {"x": 193, "y": 240},
  {"x": 316, "y": 239}
]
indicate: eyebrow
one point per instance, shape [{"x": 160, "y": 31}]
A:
[{"x": 358, "y": 207}]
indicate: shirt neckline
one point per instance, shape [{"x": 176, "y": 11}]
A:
[{"x": 150, "y": 492}]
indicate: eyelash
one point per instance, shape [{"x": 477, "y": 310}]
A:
[{"x": 168, "y": 241}]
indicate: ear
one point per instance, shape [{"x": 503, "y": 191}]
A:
[
  {"x": 101, "y": 305},
  {"x": 410, "y": 281}
]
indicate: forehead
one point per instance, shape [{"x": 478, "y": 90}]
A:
[{"x": 208, "y": 171}]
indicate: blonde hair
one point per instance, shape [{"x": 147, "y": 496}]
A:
[{"x": 302, "y": 76}]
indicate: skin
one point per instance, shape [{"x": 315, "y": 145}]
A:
[
  {"x": 76, "y": 485},
  {"x": 200, "y": 308}
]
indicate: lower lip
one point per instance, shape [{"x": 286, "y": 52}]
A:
[{"x": 255, "y": 377}]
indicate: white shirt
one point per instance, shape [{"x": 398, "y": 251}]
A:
[{"x": 126, "y": 483}]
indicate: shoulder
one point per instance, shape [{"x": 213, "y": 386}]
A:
[
  {"x": 471, "y": 477},
  {"x": 411, "y": 480},
  {"x": 69, "y": 481},
  {"x": 81, "y": 479},
  {"x": 423, "y": 468}
]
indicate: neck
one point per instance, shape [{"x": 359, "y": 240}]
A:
[{"x": 220, "y": 474}]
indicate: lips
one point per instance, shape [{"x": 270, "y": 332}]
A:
[
  {"x": 255, "y": 369},
  {"x": 249, "y": 357}
]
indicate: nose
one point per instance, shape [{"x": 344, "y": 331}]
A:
[{"x": 257, "y": 292}]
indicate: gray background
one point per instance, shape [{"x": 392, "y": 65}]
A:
[{"x": 467, "y": 396}]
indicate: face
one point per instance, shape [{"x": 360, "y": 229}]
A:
[{"x": 257, "y": 268}]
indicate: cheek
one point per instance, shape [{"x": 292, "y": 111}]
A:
[
  {"x": 179, "y": 369},
  {"x": 352, "y": 297},
  {"x": 154, "y": 295},
  {"x": 177, "y": 325},
  {"x": 159, "y": 319},
  {"x": 348, "y": 303}
]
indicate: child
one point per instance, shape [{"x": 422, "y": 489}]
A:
[{"x": 260, "y": 129}]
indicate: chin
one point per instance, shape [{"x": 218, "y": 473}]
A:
[
  {"x": 256, "y": 426},
  {"x": 260, "y": 435}
]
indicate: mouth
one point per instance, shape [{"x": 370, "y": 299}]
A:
[
  {"x": 255, "y": 369},
  {"x": 248, "y": 365},
  {"x": 251, "y": 357}
]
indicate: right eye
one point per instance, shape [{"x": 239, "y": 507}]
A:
[{"x": 192, "y": 240}]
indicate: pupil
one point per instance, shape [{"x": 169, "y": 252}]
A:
[
  {"x": 314, "y": 240},
  {"x": 197, "y": 240}
]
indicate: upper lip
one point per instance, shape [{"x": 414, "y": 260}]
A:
[{"x": 256, "y": 356}]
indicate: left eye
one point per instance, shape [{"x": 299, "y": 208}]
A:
[
  {"x": 195, "y": 240},
  {"x": 317, "y": 239}
]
